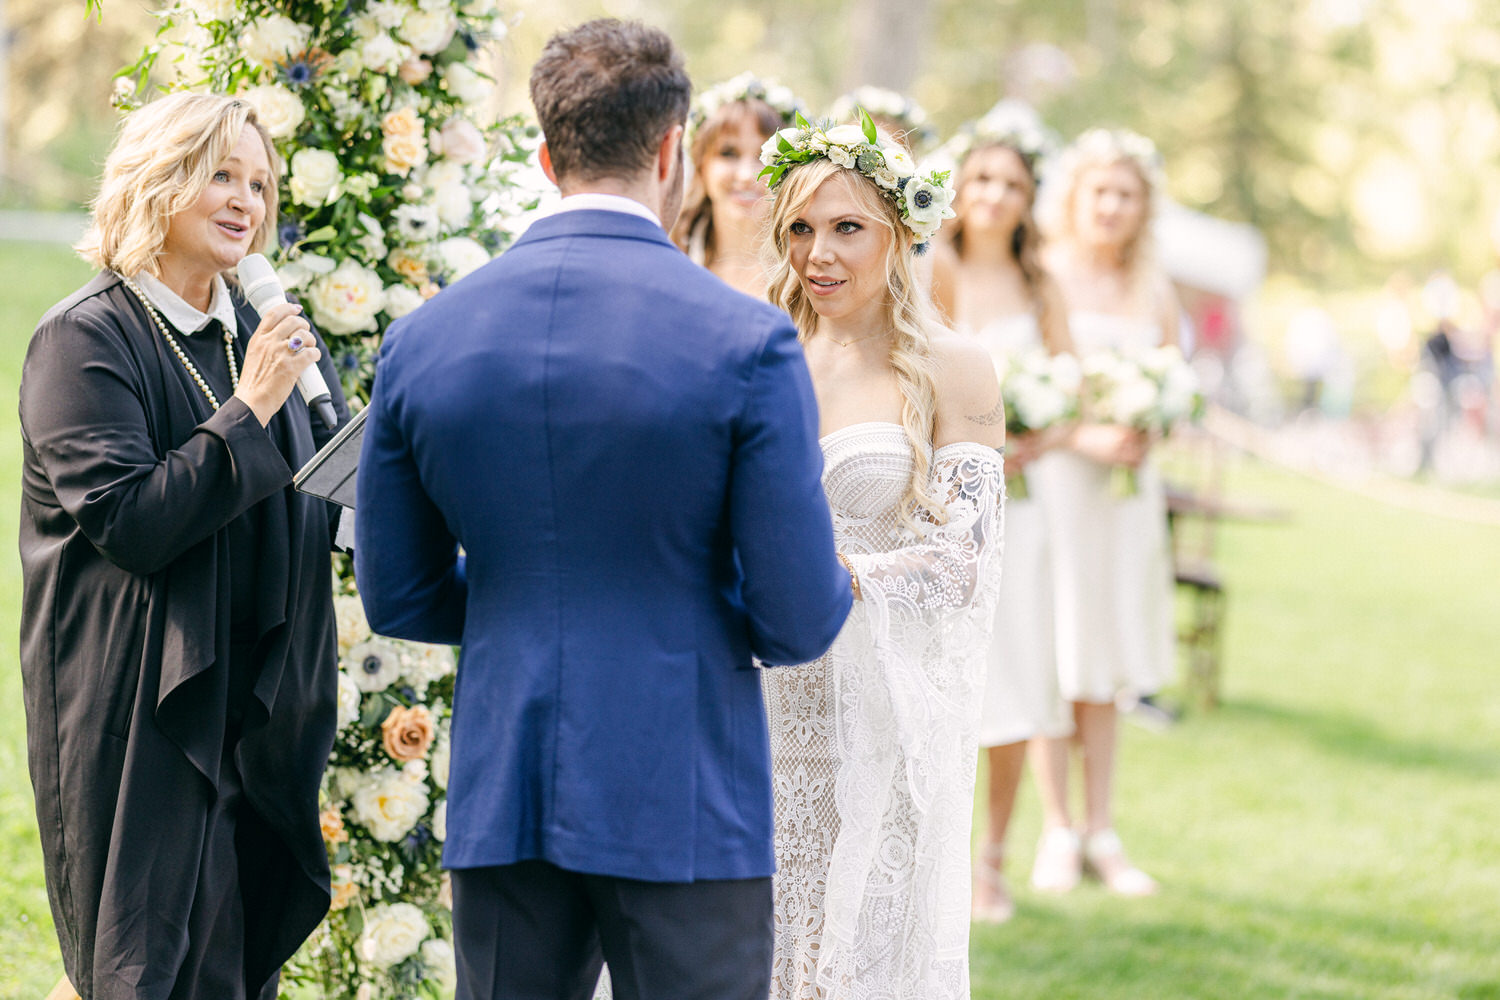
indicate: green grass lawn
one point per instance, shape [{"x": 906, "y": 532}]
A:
[{"x": 1333, "y": 831}]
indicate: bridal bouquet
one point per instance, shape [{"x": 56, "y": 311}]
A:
[
  {"x": 384, "y": 821},
  {"x": 1040, "y": 390},
  {"x": 1150, "y": 392},
  {"x": 396, "y": 181}
]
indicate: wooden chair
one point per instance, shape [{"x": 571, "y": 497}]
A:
[{"x": 1193, "y": 471}]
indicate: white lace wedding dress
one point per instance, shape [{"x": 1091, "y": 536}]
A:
[{"x": 874, "y": 746}]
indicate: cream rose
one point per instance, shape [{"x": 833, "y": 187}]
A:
[
  {"x": 459, "y": 141},
  {"x": 393, "y": 933},
  {"x": 442, "y": 966},
  {"x": 409, "y": 265},
  {"x": 347, "y": 301},
  {"x": 440, "y": 821},
  {"x": 429, "y": 31},
  {"x": 466, "y": 85},
  {"x": 389, "y": 804},
  {"x": 414, "y": 71},
  {"x": 462, "y": 256},
  {"x": 440, "y": 757},
  {"x": 400, "y": 300},
  {"x": 348, "y": 709},
  {"x": 315, "y": 177},
  {"x": 407, "y": 733},
  {"x": 401, "y": 121},
  {"x": 847, "y": 135},
  {"x": 402, "y": 152},
  {"x": 349, "y": 613},
  {"x": 383, "y": 54},
  {"x": 280, "y": 111},
  {"x": 270, "y": 39},
  {"x": 454, "y": 205}
]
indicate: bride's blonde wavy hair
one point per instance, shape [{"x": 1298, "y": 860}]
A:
[{"x": 910, "y": 310}]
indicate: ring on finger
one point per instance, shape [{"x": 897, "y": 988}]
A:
[{"x": 295, "y": 343}]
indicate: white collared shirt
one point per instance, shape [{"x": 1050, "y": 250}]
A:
[
  {"x": 183, "y": 316},
  {"x": 605, "y": 203}
]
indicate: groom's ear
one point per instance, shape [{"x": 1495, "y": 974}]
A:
[
  {"x": 544, "y": 157},
  {"x": 669, "y": 154}
]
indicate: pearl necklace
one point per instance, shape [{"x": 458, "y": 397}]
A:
[{"x": 192, "y": 369}]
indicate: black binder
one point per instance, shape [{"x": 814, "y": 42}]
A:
[{"x": 330, "y": 473}]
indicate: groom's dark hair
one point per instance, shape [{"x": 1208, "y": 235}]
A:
[{"x": 605, "y": 94}]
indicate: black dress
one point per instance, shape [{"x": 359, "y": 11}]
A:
[{"x": 178, "y": 657}]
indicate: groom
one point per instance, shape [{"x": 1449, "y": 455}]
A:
[{"x": 596, "y": 468}]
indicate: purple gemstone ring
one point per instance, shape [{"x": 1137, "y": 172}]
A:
[{"x": 295, "y": 344}]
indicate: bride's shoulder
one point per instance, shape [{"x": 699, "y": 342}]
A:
[{"x": 968, "y": 393}]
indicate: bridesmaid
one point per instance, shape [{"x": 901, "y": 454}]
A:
[
  {"x": 724, "y": 210},
  {"x": 895, "y": 114},
  {"x": 1111, "y": 557},
  {"x": 989, "y": 279}
]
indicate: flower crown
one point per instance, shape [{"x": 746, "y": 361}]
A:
[
  {"x": 895, "y": 107},
  {"x": 1009, "y": 123},
  {"x": 1102, "y": 144},
  {"x": 924, "y": 202},
  {"x": 745, "y": 87}
]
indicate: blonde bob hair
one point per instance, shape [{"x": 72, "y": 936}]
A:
[
  {"x": 160, "y": 165},
  {"x": 1101, "y": 147},
  {"x": 910, "y": 310}
]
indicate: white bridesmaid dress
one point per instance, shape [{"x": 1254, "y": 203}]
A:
[
  {"x": 1113, "y": 591},
  {"x": 1021, "y": 698}
]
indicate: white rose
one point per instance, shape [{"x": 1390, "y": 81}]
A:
[
  {"x": 349, "y": 613},
  {"x": 439, "y": 757},
  {"x": 383, "y": 54},
  {"x": 429, "y": 32},
  {"x": 417, "y": 223},
  {"x": 841, "y": 156},
  {"x": 401, "y": 299},
  {"x": 438, "y": 956},
  {"x": 440, "y": 821},
  {"x": 347, "y": 300},
  {"x": 1132, "y": 400},
  {"x": 459, "y": 141},
  {"x": 454, "y": 205},
  {"x": 847, "y": 135},
  {"x": 386, "y": 14},
  {"x": 899, "y": 162},
  {"x": 375, "y": 664},
  {"x": 280, "y": 111},
  {"x": 272, "y": 38},
  {"x": 348, "y": 700},
  {"x": 315, "y": 177},
  {"x": 393, "y": 933},
  {"x": 424, "y": 663},
  {"x": 463, "y": 256},
  {"x": 466, "y": 85},
  {"x": 389, "y": 804},
  {"x": 771, "y": 151}
]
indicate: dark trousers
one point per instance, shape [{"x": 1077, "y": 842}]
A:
[{"x": 533, "y": 931}]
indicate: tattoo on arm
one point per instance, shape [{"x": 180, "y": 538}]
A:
[{"x": 990, "y": 419}]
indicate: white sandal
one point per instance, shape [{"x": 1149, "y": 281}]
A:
[
  {"x": 1059, "y": 861},
  {"x": 1104, "y": 856}
]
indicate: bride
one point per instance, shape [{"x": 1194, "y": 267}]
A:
[{"x": 874, "y": 745}]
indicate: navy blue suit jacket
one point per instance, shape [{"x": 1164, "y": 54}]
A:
[{"x": 626, "y": 452}]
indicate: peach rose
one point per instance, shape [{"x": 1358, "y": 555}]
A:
[
  {"x": 402, "y": 121},
  {"x": 415, "y": 70},
  {"x": 333, "y": 826},
  {"x": 402, "y": 152},
  {"x": 407, "y": 732},
  {"x": 408, "y": 265},
  {"x": 344, "y": 888}
]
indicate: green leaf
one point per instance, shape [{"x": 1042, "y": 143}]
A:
[
  {"x": 868, "y": 125},
  {"x": 783, "y": 145},
  {"x": 322, "y": 235},
  {"x": 801, "y": 121}
]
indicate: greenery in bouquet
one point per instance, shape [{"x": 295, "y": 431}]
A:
[
  {"x": 1152, "y": 392},
  {"x": 1041, "y": 391},
  {"x": 396, "y": 182},
  {"x": 384, "y": 818}
]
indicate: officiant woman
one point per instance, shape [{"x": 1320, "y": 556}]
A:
[{"x": 177, "y": 638}]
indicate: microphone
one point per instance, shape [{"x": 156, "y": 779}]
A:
[{"x": 263, "y": 289}]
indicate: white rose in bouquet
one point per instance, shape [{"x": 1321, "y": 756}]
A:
[
  {"x": 393, "y": 932},
  {"x": 270, "y": 39},
  {"x": 348, "y": 700},
  {"x": 401, "y": 299},
  {"x": 439, "y": 758},
  {"x": 279, "y": 110},
  {"x": 454, "y": 204},
  {"x": 389, "y": 804},
  {"x": 383, "y": 54},
  {"x": 467, "y": 85},
  {"x": 463, "y": 256},
  {"x": 315, "y": 177},
  {"x": 429, "y": 32},
  {"x": 440, "y": 821},
  {"x": 353, "y": 627},
  {"x": 459, "y": 141},
  {"x": 348, "y": 299},
  {"x": 438, "y": 957}
]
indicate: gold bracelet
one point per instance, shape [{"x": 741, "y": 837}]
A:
[{"x": 853, "y": 578}]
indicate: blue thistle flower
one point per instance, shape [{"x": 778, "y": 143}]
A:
[
  {"x": 289, "y": 232},
  {"x": 348, "y": 361}
]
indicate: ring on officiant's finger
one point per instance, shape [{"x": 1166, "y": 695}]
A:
[{"x": 295, "y": 344}]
